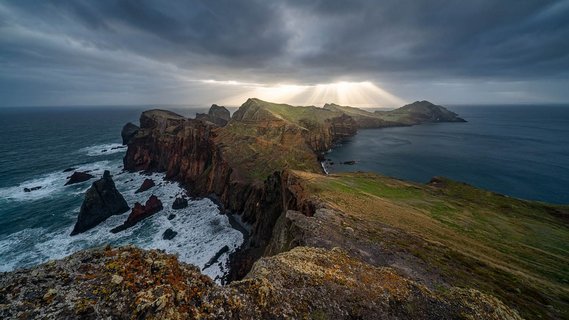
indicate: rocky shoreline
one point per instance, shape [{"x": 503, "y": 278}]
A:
[{"x": 317, "y": 246}]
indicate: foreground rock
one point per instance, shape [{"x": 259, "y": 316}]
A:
[
  {"x": 147, "y": 184},
  {"x": 130, "y": 283},
  {"x": 79, "y": 176},
  {"x": 128, "y": 132},
  {"x": 217, "y": 114},
  {"x": 102, "y": 200},
  {"x": 140, "y": 212}
]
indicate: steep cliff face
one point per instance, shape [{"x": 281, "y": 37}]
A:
[{"x": 242, "y": 163}]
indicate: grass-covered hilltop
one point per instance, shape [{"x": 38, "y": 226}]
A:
[{"x": 338, "y": 246}]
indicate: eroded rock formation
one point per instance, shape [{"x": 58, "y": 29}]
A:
[
  {"x": 140, "y": 212},
  {"x": 102, "y": 200}
]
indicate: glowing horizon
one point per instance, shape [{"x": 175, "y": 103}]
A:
[{"x": 357, "y": 94}]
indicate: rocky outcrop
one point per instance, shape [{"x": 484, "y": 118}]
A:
[
  {"x": 78, "y": 176},
  {"x": 218, "y": 115},
  {"x": 146, "y": 184},
  {"x": 305, "y": 283},
  {"x": 180, "y": 203},
  {"x": 128, "y": 132},
  {"x": 214, "y": 160},
  {"x": 102, "y": 200},
  {"x": 140, "y": 212}
]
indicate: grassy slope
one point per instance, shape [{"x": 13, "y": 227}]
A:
[
  {"x": 363, "y": 116},
  {"x": 516, "y": 250},
  {"x": 273, "y": 140}
]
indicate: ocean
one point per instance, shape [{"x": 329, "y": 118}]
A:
[
  {"x": 37, "y": 144},
  {"x": 519, "y": 151}
]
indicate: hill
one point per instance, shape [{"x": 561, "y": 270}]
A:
[{"x": 415, "y": 113}]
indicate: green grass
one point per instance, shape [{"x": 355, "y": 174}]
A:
[{"x": 515, "y": 249}]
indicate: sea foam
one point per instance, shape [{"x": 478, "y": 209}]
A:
[
  {"x": 103, "y": 149},
  {"x": 52, "y": 183},
  {"x": 202, "y": 230}
]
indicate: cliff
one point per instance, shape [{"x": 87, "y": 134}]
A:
[
  {"x": 354, "y": 245},
  {"x": 241, "y": 163},
  {"x": 264, "y": 165}
]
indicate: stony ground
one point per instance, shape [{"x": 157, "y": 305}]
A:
[{"x": 304, "y": 283}]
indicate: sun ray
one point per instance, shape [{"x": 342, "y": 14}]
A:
[{"x": 360, "y": 94}]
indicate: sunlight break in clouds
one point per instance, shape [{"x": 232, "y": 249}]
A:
[{"x": 360, "y": 94}]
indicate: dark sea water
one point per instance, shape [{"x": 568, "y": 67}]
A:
[
  {"x": 521, "y": 151},
  {"x": 37, "y": 144}
]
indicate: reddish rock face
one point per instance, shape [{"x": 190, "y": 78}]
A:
[
  {"x": 147, "y": 184},
  {"x": 139, "y": 212},
  {"x": 194, "y": 153}
]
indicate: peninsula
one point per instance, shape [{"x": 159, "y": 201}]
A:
[{"x": 350, "y": 245}]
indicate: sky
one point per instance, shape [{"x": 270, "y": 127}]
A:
[{"x": 367, "y": 53}]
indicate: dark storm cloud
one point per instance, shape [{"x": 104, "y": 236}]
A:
[
  {"x": 128, "y": 48},
  {"x": 496, "y": 38}
]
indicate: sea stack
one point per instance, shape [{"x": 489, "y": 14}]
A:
[{"x": 102, "y": 200}]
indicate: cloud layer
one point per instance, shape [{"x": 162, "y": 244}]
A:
[{"x": 145, "y": 52}]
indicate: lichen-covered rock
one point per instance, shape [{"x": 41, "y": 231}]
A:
[
  {"x": 125, "y": 283},
  {"x": 305, "y": 283},
  {"x": 308, "y": 283},
  {"x": 102, "y": 200}
]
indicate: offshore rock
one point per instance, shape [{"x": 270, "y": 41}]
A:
[
  {"x": 32, "y": 189},
  {"x": 147, "y": 184},
  {"x": 102, "y": 200},
  {"x": 140, "y": 212},
  {"x": 169, "y": 234},
  {"x": 128, "y": 132},
  {"x": 79, "y": 176},
  {"x": 180, "y": 203}
]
